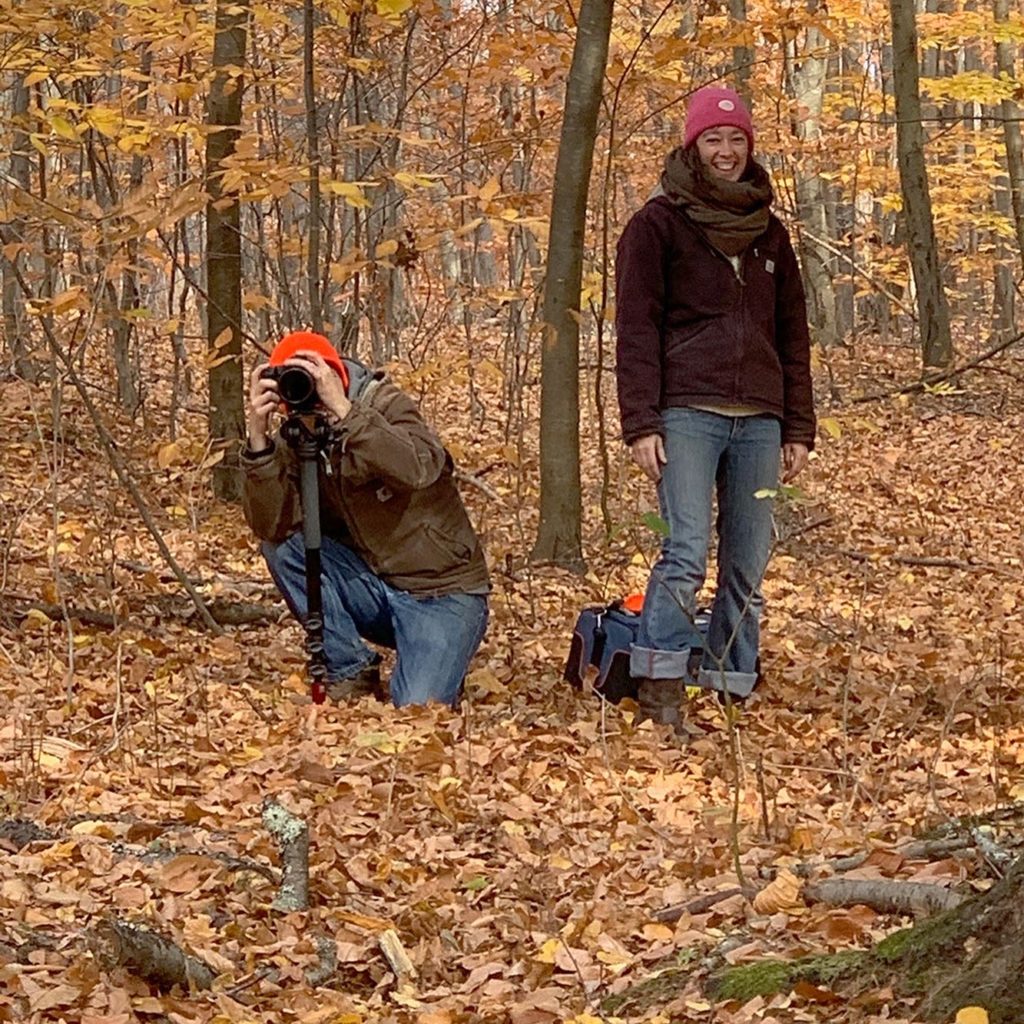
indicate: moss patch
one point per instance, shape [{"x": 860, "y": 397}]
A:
[
  {"x": 766, "y": 977},
  {"x": 892, "y": 947},
  {"x": 758, "y": 979}
]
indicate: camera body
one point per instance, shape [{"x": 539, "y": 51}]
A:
[{"x": 296, "y": 387}]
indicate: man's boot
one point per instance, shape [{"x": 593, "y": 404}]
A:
[
  {"x": 660, "y": 701},
  {"x": 366, "y": 682}
]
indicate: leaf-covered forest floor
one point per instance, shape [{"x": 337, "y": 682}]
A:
[{"x": 521, "y": 848}]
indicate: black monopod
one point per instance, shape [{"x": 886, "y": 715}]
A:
[{"x": 308, "y": 433}]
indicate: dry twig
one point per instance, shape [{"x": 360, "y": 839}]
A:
[{"x": 695, "y": 906}]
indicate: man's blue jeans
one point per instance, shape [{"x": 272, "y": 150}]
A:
[
  {"x": 737, "y": 456},
  {"x": 435, "y": 637}
]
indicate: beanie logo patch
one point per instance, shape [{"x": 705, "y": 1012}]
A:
[{"x": 726, "y": 105}]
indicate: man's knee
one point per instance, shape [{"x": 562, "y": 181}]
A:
[{"x": 419, "y": 689}]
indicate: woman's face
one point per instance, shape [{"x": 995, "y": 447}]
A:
[{"x": 724, "y": 151}]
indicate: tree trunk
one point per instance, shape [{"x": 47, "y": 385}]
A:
[
  {"x": 1006, "y": 65},
  {"x": 223, "y": 250},
  {"x": 808, "y": 83},
  {"x": 525, "y": 263},
  {"x": 742, "y": 55},
  {"x": 1004, "y": 292},
  {"x": 559, "y": 537},
  {"x": 126, "y": 360},
  {"x": 316, "y": 309},
  {"x": 13, "y": 233},
  {"x": 933, "y": 312}
]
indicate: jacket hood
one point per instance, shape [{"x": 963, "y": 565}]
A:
[{"x": 359, "y": 377}]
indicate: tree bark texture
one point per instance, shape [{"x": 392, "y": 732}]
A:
[
  {"x": 1004, "y": 291},
  {"x": 742, "y": 55},
  {"x": 223, "y": 249},
  {"x": 14, "y": 320},
  {"x": 808, "y": 84},
  {"x": 1006, "y": 65},
  {"x": 126, "y": 359},
  {"x": 884, "y": 895},
  {"x": 313, "y": 152},
  {"x": 155, "y": 958},
  {"x": 932, "y": 309},
  {"x": 559, "y": 537},
  {"x": 985, "y": 971}
]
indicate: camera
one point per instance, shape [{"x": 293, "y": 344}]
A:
[{"x": 295, "y": 385}]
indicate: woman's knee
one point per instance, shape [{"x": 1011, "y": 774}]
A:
[{"x": 684, "y": 561}]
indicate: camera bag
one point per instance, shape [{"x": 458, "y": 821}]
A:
[{"x": 601, "y": 640}]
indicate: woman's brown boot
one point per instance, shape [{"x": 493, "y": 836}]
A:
[{"x": 660, "y": 701}]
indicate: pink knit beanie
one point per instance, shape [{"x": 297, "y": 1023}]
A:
[{"x": 714, "y": 107}]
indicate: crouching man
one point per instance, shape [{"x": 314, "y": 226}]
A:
[{"x": 401, "y": 564}]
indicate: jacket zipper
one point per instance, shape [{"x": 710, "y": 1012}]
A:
[
  {"x": 740, "y": 277},
  {"x": 741, "y": 282},
  {"x": 741, "y": 287}
]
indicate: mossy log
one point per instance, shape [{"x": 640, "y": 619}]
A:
[{"x": 972, "y": 955}]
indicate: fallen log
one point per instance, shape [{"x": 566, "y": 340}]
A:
[
  {"x": 16, "y": 833},
  {"x": 153, "y": 957},
  {"x": 887, "y": 897},
  {"x": 224, "y": 613}
]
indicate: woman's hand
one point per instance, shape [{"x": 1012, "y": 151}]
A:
[
  {"x": 794, "y": 459},
  {"x": 649, "y": 454},
  {"x": 263, "y": 401},
  {"x": 329, "y": 386}
]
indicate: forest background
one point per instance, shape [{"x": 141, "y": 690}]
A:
[{"x": 390, "y": 182}]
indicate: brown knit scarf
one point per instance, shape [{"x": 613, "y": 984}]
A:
[{"x": 730, "y": 213}]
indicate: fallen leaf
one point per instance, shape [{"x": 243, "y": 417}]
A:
[
  {"x": 783, "y": 893},
  {"x": 972, "y": 1015}
]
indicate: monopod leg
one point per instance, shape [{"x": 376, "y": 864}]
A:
[{"x": 314, "y": 622}]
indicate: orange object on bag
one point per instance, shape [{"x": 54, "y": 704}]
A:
[{"x": 633, "y": 603}]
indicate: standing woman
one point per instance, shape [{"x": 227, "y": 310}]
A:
[{"x": 714, "y": 391}]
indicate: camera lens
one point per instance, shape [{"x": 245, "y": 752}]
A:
[{"x": 296, "y": 387}]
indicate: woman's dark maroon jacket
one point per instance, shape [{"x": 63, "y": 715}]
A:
[{"x": 693, "y": 331}]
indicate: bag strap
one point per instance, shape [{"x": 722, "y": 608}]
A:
[{"x": 600, "y": 637}]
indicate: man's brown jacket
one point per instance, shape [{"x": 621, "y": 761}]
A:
[{"x": 386, "y": 490}]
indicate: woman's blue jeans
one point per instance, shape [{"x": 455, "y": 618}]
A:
[
  {"x": 435, "y": 637},
  {"x": 735, "y": 456}
]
